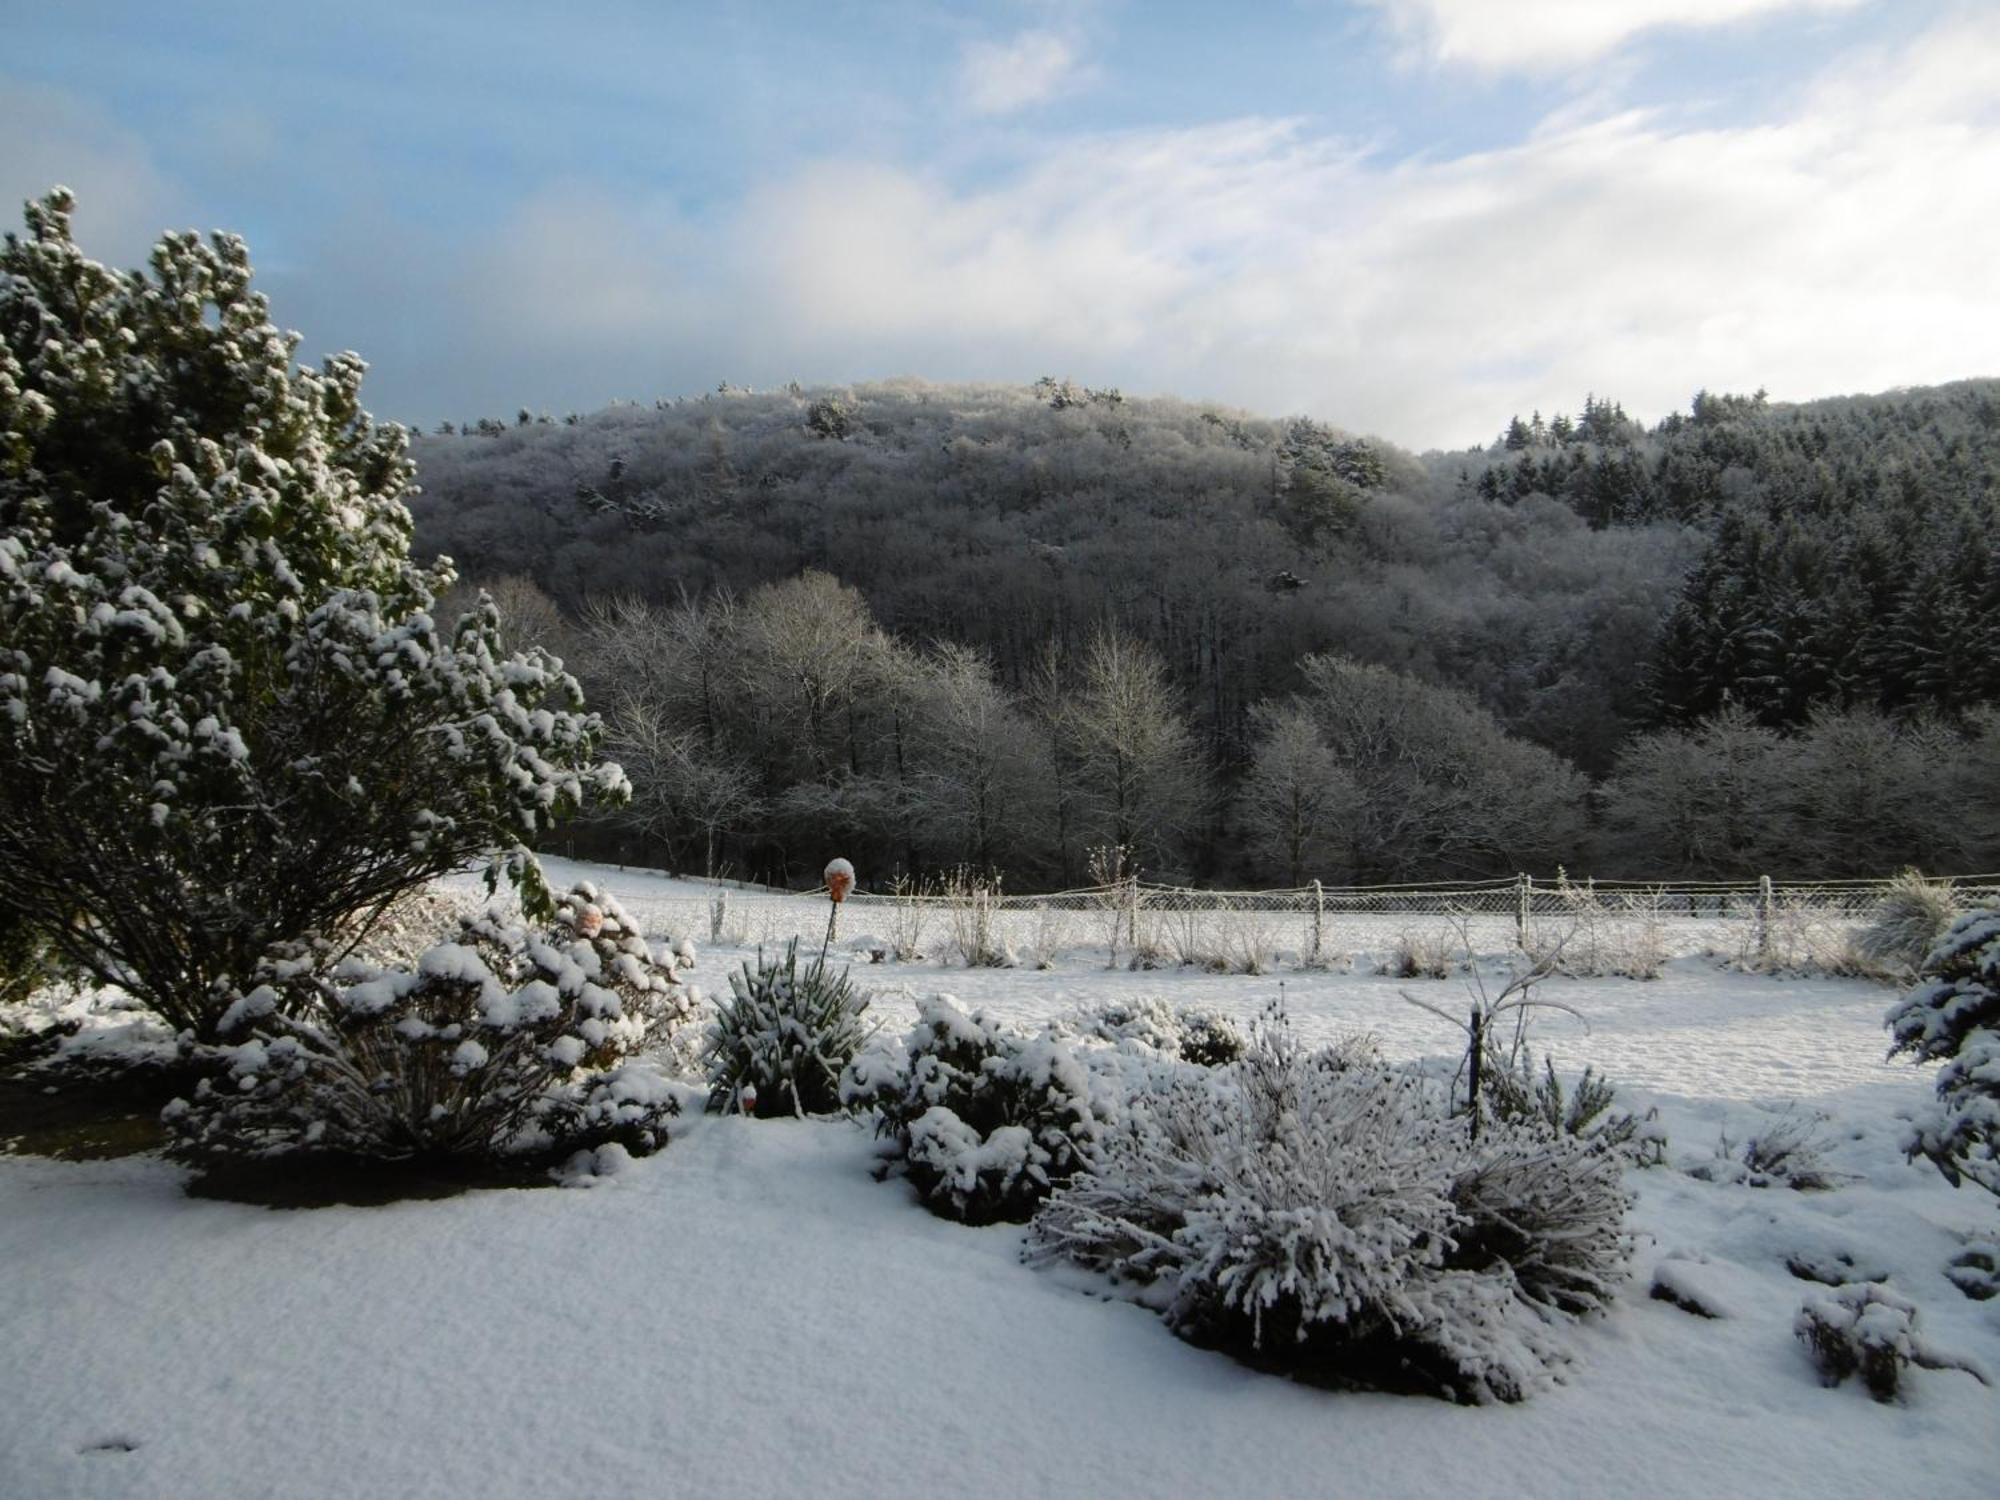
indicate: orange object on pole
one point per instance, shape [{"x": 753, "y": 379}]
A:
[{"x": 839, "y": 880}]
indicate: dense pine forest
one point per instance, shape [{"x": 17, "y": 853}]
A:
[{"x": 1006, "y": 626}]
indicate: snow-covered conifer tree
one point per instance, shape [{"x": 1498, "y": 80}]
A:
[{"x": 228, "y": 715}]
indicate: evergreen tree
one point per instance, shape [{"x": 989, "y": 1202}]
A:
[{"x": 228, "y": 717}]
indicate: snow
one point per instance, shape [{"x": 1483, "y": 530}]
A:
[{"x": 750, "y": 1311}]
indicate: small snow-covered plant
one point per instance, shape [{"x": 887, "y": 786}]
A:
[
  {"x": 1323, "y": 1214},
  {"x": 1204, "y": 1037},
  {"x": 985, "y": 1121},
  {"x": 1048, "y": 936},
  {"x": 1864, "y": 1328},
  {"x": 1515, "y": 1092},
  {"x": 1913, "y": 914},
  {"x": 779, "y": 1044},
  {"x": 1489, "y": 1016},
  {"x": 1151, "y": 1022},
  {"x": 1952, "y": 1015},
  {"x": 506, "y": 1040},
  {"x": 973, "y": 903},
  {"x": 1786, "y": 1153},
  {"x": 1115, "y": 882},
  {"x": 1251, "y": 938},
  {"x": 1422, "y": 955},
  {"x": 909, "y": 915}
]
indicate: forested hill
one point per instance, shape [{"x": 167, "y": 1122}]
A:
[
  {"x": 1581, "y": 577},
  {"x": 1005, "y": 516}
]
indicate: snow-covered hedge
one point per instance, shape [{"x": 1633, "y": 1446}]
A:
[
  {"x": 1953, "y": 1016},
  {"x": 985, "y": 1121},
  {"x": 780, "y": 1043},
  {"x": 1320, "y": 1213},
  {"x": 508, "y": 1039}
]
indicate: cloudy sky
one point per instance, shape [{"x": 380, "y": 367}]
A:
[{"x": 1407, "y": 217}]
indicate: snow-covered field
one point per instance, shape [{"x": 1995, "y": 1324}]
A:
[{"x": 749, "y": 1313}]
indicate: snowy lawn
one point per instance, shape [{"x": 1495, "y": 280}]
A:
[{"x": 748, "y": 1313}]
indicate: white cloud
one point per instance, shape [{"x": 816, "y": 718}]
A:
[
  {"x": 1844, "y": 244},
  {"x": 1540, "y": 35},
  {"x": 999, "y": 78}
]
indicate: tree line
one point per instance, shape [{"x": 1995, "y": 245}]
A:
[{"x": 763, "y": 731}]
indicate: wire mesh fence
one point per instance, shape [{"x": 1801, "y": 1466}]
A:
[{"x": 1588, "y": 926}]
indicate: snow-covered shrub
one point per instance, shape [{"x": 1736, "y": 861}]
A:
[
  {"x": 1048, "y": 935},
  {"x": 780, "y": 1043},
  {"x": 909, "y": 916},
  {"x": 985, "y": 1121},
  {"x": 1205, "y": 1037},
  {"x": 1328, "y": 1216},
  {"x": 229, "y": 716},
  {"x": 973, "y": 904},
  {"x": 1549, "y": 1204},
  {"x": 1423, "y": 955},
  {"x": 1866, "y": 1329},
  {"x": 1907, "y": 922},
  {"x": 508, "y": 1039},
  {"x": 1975, "y": 1271},
  {"x": 1516, "y": 1093},
  {"x": 1953, "y": 1016},
  {"x": 1786, "y": 1153}
]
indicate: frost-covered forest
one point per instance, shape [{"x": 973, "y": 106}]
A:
[{"x": 1037, "y": 620}]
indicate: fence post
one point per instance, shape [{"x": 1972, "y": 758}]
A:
[
  {"x": 1525, "y": 892},
  {"x": 1764, "y": 905},
  {"x": 1319, "y": 922},
  {"x": 1132, "y": 916}
]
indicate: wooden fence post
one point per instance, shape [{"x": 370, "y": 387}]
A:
[
  {"x": 1764, "y": 908},
  {"x": 1319, "y": 923},
  {"x": 1525, "y": 891}
]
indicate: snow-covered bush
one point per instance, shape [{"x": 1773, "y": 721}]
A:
[
  {"x": 508, "y": 1039},
  {"x": 1204, "y": 1037},
  {"x": 1325, "y": 1215},
  {"x": 984, "y": 1121},
  {"x": 1424, "y": 955},
  {"x": 1516, "y": 1093},
  {"x": 1953, "y": 1016},
  {"x": 229, "y": 717},
  {"x": 1786, "y": 1153},
  {"x": 1864, "y": 1328},
  {"x": 780, "y": 1043},
  {"x": 1907, "y": 922},
  {"x": 972, "y": 902}
]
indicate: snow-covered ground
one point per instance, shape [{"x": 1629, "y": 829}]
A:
[{"x": 749, "y": 1313}]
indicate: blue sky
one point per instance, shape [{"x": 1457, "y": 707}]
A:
[{"x": 1410, "y": 217}]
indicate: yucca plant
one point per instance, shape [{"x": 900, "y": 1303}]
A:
[{"x": 779, "y": 1043}]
